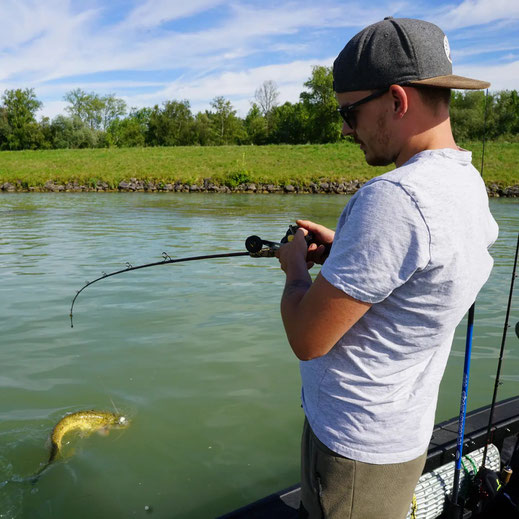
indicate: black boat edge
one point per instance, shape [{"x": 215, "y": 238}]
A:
[{"x": 442, "y": 449}]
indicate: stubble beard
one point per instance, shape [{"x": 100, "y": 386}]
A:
[{"x": 381, "y": 155}]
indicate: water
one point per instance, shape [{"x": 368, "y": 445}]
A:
[{"x": 193, "y": 353}]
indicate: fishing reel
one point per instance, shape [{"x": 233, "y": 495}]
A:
[{"x": 259, "y": 248}]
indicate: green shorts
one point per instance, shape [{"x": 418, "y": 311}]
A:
[{"x": 335, "y": 487}]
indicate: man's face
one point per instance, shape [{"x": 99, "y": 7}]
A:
[{"x": 370, "y": 126}]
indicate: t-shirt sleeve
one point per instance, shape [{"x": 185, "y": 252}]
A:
[{"x": 381, "y": 241}]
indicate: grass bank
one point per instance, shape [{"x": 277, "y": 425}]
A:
[{"x": 224, "y": 165}]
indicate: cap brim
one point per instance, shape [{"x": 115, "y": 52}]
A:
[{"x": 452, "y": 81}]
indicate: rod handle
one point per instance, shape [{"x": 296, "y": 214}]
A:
[{"x": 505, "y": 475}]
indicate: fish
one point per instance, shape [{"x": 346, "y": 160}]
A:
[{"x": 86, "y": 422}]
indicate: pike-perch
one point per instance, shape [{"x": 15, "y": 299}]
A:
[{"x": 85, "y": 421}]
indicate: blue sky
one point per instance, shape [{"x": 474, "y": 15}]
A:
[{"x": 149, "y": 51}]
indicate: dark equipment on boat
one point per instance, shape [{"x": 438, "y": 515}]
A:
[
  {"x": 502, "y": 350},
  {"x": 256, "y": 248},
  {"x": 489, "y": 487},
  {"x": 492, "y": 494}
]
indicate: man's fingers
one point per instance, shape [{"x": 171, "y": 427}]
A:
[
  {"x": 321, "y": 233},
  {"x": 307, "y": 224}
]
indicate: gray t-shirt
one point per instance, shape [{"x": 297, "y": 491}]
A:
[{"x": 414, "y": 242}]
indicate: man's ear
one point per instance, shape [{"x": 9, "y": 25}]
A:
[{"x": 400, "y": 101}]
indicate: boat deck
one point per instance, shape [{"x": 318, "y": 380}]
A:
[{"x": 442, "y": 449}]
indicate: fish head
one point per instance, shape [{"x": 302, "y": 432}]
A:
[{"x": 121, "y": 422}]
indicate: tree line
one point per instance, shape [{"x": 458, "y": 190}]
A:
[{"x": 95, "y": 121}]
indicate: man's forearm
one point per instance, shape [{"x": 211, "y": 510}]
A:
[{"x": 297, "y": 284}]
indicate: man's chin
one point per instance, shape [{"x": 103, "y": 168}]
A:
[{"x": 374, "y": 160}]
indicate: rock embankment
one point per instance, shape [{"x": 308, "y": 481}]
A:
[{"x": 208, "y": 186}]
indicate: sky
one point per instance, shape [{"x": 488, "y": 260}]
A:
[{"x": 150, "y": 51}]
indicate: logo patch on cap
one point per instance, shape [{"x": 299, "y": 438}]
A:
[{"x": 447, "y": 48}]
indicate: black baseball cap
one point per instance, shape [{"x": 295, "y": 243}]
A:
[{"x": 400, "y": 51}]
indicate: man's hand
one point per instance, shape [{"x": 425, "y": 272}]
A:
[
  {"x": 323, "y": 239},
  {"x": 292, "y": 255}
]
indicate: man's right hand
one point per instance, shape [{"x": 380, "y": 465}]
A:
[{"x": 323, "y": 239}]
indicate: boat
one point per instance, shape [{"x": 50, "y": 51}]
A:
[
  {"x": 490, "y": 438},
  {"x": 434, "y": 487}
]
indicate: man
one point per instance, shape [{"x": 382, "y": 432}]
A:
[{"x": 409, "y": 255}]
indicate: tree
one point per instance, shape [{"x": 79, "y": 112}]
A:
[
  {"x": 81, "y": 106},
  {"x": 290, "y": 124},
  {"x": 132, "y": 130},
  {"x": 266, "y": 97},
  {"x": 71, "y": 132},
  {"x": 5, "y": 129},
  {"x": 324, "y": 124},
  {"x": 96, "y": 111},
  {"x": 19, "y": 128},
  {"x": 113, "y": 109},
  {"x": 202, "y": 132},
  {"x": 256, "y": 126},
  {"x": 171, "y": 125},
  {"x": 506, "y": 113},
  {"x": 226, "y": 127},
  {"x": 467, "y": 112}
]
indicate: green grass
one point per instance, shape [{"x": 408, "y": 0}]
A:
[{"x": 230, "y": 165}]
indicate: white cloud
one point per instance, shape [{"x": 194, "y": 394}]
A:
[
  {"x": 238, "y": 87},
  {"x": 52, "y": 35},
  {"x": 484, "y": 49},
  {"x": 63, "y": 44},
  {"x": 501, "y": 77},
  {"x": 155, "y": 12},
  {"x": 55, "y": 46},
  {"x": 478, "y": 12}
]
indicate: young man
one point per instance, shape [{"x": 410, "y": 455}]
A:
[{"x": 409, "y": 255}]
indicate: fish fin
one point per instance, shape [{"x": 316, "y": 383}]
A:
[
  {"x": 104, "y": 431},
  {"x": 35, "y": 477}
]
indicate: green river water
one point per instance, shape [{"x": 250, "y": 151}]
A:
[{"x": 194, "y": 354}]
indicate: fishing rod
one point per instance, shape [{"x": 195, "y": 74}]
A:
[
  {"x": 455, "y": 508},
  {"x": 256, "y": 248},
  {"x": 501, "y": 354}
]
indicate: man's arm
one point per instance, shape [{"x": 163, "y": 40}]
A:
[{"x": 315, "y": 315}]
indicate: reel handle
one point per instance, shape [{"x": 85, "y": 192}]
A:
[{"x": 292, "y": 229}]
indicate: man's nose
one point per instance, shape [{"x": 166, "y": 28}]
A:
[{"x": 346, "y": 130}]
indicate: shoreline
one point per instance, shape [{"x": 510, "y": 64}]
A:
[{"x": 134, "y": 185}]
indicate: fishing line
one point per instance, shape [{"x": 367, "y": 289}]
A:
[{"x": 484, "y": 133}]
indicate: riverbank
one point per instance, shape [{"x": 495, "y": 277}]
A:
[{"x": 327, "y": 168}]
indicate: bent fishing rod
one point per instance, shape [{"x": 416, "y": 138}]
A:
[{"x": 256, "y": 248}]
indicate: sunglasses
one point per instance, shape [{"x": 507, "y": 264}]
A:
[{"x": 347, "y": 111}]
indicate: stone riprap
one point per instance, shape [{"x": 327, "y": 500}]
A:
[{"x": 208, "y": 186}]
